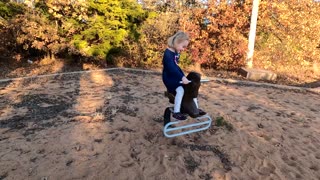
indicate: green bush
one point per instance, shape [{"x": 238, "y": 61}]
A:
[
  {"x": 107, "y": 25},
  {"x": 87, "y": 28},
  {"x": 10, "y": 9}
]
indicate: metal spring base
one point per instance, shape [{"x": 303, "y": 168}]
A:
[{"x": 169, "y": 131}]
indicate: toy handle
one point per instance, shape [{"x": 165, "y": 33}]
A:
[
  {"x": 202, "y": 81},
  {"x": 182, "y": 82}
]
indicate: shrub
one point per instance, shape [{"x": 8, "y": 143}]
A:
[
  {"x": 107, "y": 25},
  {"x": 92, "y": 28},
  {"x": 36, "y": 34},
  {"x": 148, "y": 50},
  {"x": 219, "y": 34}
]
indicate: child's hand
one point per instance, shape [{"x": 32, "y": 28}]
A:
[{"x": 185, "y": 80}]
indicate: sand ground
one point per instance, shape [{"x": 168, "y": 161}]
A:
[{"x": 108, "y": 125}]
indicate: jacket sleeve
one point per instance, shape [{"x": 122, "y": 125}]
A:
[{"x": 172, "y": 68}]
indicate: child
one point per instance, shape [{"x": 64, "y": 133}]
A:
[{"x": 172, "y": 76}]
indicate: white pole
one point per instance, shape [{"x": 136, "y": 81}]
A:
[{"x": 252, "y": 33}]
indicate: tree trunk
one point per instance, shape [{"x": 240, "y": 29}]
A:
[{"x": 252, "y": 33}]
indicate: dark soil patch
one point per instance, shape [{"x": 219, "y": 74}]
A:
[
  {"x": 3, "y": 138},
  {"x": 16, "y": 122},
  {"x": 154, "y": 94},
  {"x": 98, "y": 140},
  {"x": 206, "y": 177},
  {"x": 34, "y": 159},
  {"x": 71, "y": 114},
  {"x": 3, "y": 85},
  {"x": 190, "y": 164},
  {"x": 4, "y": 102},
  {"x": 125, "y": 129},
  {"x": 69, "y": 162},
  {"x": 128, "y": 98},
  {"x": 37, "y": 112},
  {"x": 149, "y": 136},
  {"x": 253, "y": 107},
  {"x": 222, "y": 156}
]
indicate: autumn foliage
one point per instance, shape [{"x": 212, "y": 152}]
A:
[
  {"x": 126, "y": 33},
  {"x": 219, "y": 34},
  {"x": 288, "y": 36}
]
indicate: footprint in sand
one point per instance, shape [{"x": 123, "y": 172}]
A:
[
  {"x": 158, "y": 168},
  {"x": 69, "y": 162},
  {"x": 134, "y": 152},
  {"x": 32, "y": 160},
  {"x": 287, "y": 159},
  {"x": 127, "y": 163},
  {"x": 291, "y": 161},
  {"x": 267, "y": 168},
  {"x": 314, "y": 167}
]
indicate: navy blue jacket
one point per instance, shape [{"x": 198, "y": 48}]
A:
[{"x": 171, "y": 72}]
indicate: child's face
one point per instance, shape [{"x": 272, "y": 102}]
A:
[{"x": 181, "y": 46}]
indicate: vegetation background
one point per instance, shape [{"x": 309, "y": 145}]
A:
[{"x": 133, "y": 33}]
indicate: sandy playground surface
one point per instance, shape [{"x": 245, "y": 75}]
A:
[{"x": 108, "y": 125}]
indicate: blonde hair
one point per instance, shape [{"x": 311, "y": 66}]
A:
[{"x": 179, "y": 37}]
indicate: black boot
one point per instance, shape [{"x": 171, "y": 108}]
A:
[{"x": 166, "y": 116}]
